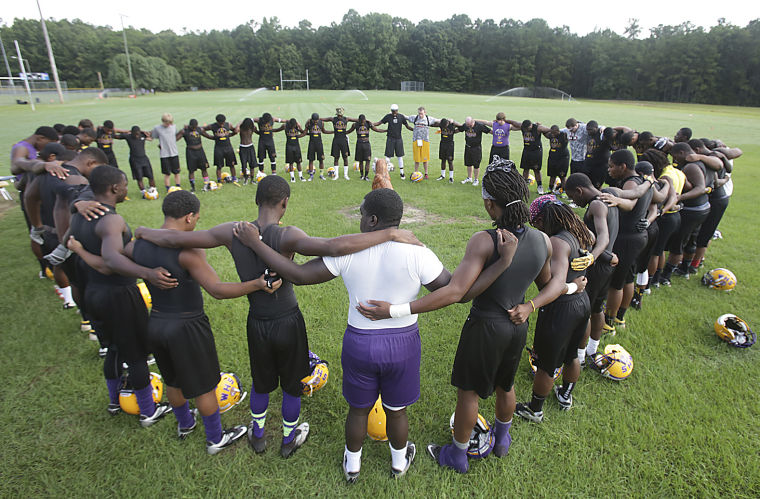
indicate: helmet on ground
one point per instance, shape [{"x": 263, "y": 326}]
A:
[
  {"x": 226, "y": 177},
  {"x": 722, "y": 279},
  {"x": 735, "y": 331},
  {"x": 615, "y": 363},
  {"x": 151, "y": 194},
  {"x": 173, "y": 188},
  {"x": 376, "y": 422},
  {"x": 331, "y": 172},
  {"x": 260, "y": 175},
  {"x": 145, "y": 294},
  {"x": 128, "y": 399},
  {"x": 482, "y": 439},
  {"x": 356, "y": 166},
  {"x": 531, "y": 178},
  {"x": 210, "y": 186},
  {"x": 228, "y": 392},
  {"x": 557, "y": 183},
  {"x": 532, "y": 357},
  {"x": 416, "y": 177},
  {"x": 318, "y": 377}
]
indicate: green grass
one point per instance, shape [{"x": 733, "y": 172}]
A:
[{"x": 684, "y": 424}]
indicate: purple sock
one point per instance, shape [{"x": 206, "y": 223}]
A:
[
  {"x": 145, "y": 400},
  {"x": 291, "y": 409},
  {"x": 213, "y": 427},
  {"x": 184, "y": 417},
  {"x": 503, "y": 438},
  {"x": 113, "y": 390},
  {"x": 259, "y": 403}
]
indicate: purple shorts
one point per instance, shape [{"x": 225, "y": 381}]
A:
[{"x": 381, "y": 362}]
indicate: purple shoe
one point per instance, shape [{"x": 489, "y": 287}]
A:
[{"x": 448, "y": 457}]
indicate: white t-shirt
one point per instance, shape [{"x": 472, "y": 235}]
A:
[
  {"x": 391, "y": 272},
  {"x": 167, "y": 138}
]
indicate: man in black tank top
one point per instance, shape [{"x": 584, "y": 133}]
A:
[
  {"x": 112, "y": 296},
  {"x": 277, "y": 343},
  {"x": 562, "y": 303},
  {"x": 339, "y": 146},
  {"x": 602, "y": 221}
]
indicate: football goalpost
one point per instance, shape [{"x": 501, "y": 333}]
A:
[
  {"x": 294, "y": 80},
  {"x": 412, "y": 86}
]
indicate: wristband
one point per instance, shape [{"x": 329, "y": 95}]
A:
[
  {"x": 401, "y": 310},
  {"x": 532, "y": 305},
  {"x": 571, "y": 288}
]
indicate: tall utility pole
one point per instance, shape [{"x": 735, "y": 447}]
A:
[
  {"x": 126, "y": 51},
  {"x": 26, "y": 74},
  {"x": 7, "y": 66},
  {"x": 50, "y": 54}
]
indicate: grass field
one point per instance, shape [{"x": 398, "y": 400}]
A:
[{"x": 684, "y": 424}]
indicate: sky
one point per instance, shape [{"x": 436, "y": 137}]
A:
[{"x": 194, "y": 15}]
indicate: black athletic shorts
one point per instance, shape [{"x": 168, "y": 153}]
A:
[
  {"x": 316, "y": 151},
  {"x": 247, "y": 157},
  {"x": 598, "y": 276},
  {"x": 642, "y": 262},
  {"x": 668, "y": 225},
  {"x": 488, "y": 354},
  {"x": 690, "y": 221},
  {"x": 339, "y": 148},
  {"x": 710, "y": 225},
  {"x": 170, "y": 165},
  {"x": 531, "y": 160},
  {"x": 185, "y": 352},
  {"x": 224, "y": 156},
  {"x": 446, "y": 151},
  {"x": 394, "y": 147},
  {"x": 560, "y": 327},
  {"x": 279, "y": 352},
  {"x": 363, "y": 151},
  {"x": 578, "y": 167},
  {"x": 596, "y": 171},
  {"x": 472, "y": 156},
  {"x": 111, "y": 157},
  {"x": 556, "y": 166},
  {"x": 196, "y": 159},
  {"x": 500, "y": 151},
  {"x": 266, "y": 148},
  {"x": 628, "y": 247},
  {"x": 49, "y": 241},
  {"x": 140, "y": 167},
  {"x": 122, "y": 317},
  {"x": 292, "y": 153}
]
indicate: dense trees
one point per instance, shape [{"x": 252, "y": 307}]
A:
[{"x": 673, "y": 63}]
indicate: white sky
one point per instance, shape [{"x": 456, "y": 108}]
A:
[{"x": 157, "y": 15}]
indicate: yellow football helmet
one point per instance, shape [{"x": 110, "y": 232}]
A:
[
  {"x": 356, "y": 166},
  {"x": 128, "y": 399},
  {"x": 173, "y": 188},
  {"x": 331, "y": 172},
  {"x": 482, "y": 439},
  {"x": 210, "y": 186},
  {"x": 260, "y": 175},
  {"x": 145, "y": 294},
  {"x": 722, "y": 279},
  {"x": 416, "y": 177},
  {"x": 228, "y": 393},
  {"x": 226, "y": 177},
  {"x": 376, "y": 422},
  {"x": 735, "y": 331},
  {"x": 532, "y": 357},
  {"x": 151, "y": 194},
  {"x": 615, "y": 363},
  {"x": 531, "y": 178},
  {"x": 318, "y": 377}
]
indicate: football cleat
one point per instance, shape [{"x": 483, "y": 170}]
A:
[
  {"x": 468, "y": 180},
  {"x": 301, "y": 434},
  {"x": 619, "y": 323},
  {"x": 162, "y": 410},
  {"x": 258, "y": 445},
  {"x": 722, "y": 279},
  {"x": 228, "y": 392},
  {"x": 229, "y": 437},
  {"x": 564, "y": 403},
  {"x": 475, "y": 183},
  {"x": 351, "y": 476},
  {"x": 735, "y": 331},
  {"x": 482, "y": 439},
  {"x": 540, "y": 190},
  {"x": 524, "y": 411},
  {"x": 113, "y": 409},
  {"x": 607, "y": 329},
  {"x": 615, "y": 363},
  {"x": 411, "y": 451},
  {"x": 182, "y": 433},
  {"x": 441, "y": 178},
  {"x": 376, "y": 422}
]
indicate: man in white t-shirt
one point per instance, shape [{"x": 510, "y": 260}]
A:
[
  {"x": 166, "y": 133},
  {"x": 379, "y": 357}
]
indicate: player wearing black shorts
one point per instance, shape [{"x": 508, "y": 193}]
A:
[
  {"x": 139, "y": 162},
  {"x": 603, "y": 222},
  {"x": 247, "y": 152},
  {"x": 315, "y": 127},
  {"x": 293, "y": 132},
  {"x": 339, "y": 146},
  {"x": 446, "y": 148},
  {"x": 112, "y": 295},
  {"x": 195, "y": 156},
  {"x": 224, "y": 155},
  {"x": 473, "y": 150},
  {"x": 533, "y": 151},
  {"x": 105, "y": 136},
  {"x": 266, "y": 130},
  {"x": 558, "y": 160},
  {"x": 363, "y": 151},
  {"x": 597, "y": 153},
  {"x": 394, "y": 144}
]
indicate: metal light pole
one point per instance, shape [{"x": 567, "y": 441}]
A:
[
  {"x": 7, "y": 66},
  {"x": 126, "y": 51},
  {"x": 50, "y": 54},
  {"x": 26, "y": 75}
]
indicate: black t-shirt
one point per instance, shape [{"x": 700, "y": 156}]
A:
[
  {"x": 558, "y": 146},
  {"x": 613, "y": 221},
  {"x": 598, "y": 148},
  {"x": 532, "y": 139},
  {"x": 394, "y": 122},
  {"x": 265, "y": 131},
  {"x": 630, "y": 219},
  {"x": 340, "y": 123},
  {"x": 222, "y": 134},
  {"x": 192, "y": 137},
  {"x": 136, "y": 144},
  {"x": 362, "y": 132},
  {"x": 314, "y": 129},
  {"x": 50, "y": 188},
  {"x": 104, "y": 139},
  {"x": 474, "y": 134},
  {"x": 447, "y": 134}
]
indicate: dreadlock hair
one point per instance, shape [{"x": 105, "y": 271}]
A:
[
  {"x": 557, "y": 217},
  {"x": 266, "y": 118},
  {"x": 658, "y": 159},
  {"x": 505, "y": 187},
  {"x": 247, "y": 124}
]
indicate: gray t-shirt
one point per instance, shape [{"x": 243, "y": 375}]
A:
[
  {"x": 578, "y": 141},
  {"x": 167, "y": 139},
  {"x": 421, "y": 126}
]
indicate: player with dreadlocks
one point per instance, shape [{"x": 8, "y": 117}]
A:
[
  {"x": 497, "y": 268},
  {"x": 563, "y": 305}
]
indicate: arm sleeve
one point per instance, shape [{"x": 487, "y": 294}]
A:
[
  {"x": 429, "y": 267},
  {"x": 335, "y": 264}
]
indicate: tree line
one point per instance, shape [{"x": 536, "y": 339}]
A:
[{"x": 682, "y": 63}]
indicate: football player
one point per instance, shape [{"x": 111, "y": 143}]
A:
[
  {"x": 363, "y": 152},
  {"x": 339, "y": 146},
  {"x": 266, "y": 140},
  {"x": 138, "y": 160},
  {"x": 394, "y": 144},
  {"x": 105, "y": 136},
  {"x": 195, "y": 156},
  {"x": 247, "y": 152},
  {"x": 558, "y": 160},
  {"x": 224, "y": 155},
  {"x": 473, "y": 152},
  {"x": 293, "y": 132},
  {"x": 446, "y": 148},
  {"x": 315, "y": 127}
]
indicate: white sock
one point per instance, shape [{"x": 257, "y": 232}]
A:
[
  {"x": 300, "y": 174},
  {"x": 592, "y": 346},
  {"x": 345, "y": 171},
  {"x": 443, "y": 173},
  {"x": 387, "y": 162},
  {"x": 451, "y": 174},
  {"x": 66, "y": 294},
  {"x": 401, "y": 164},
  {"x": 581, "y": 354},
  {"x": 292, "y": 175},
  {"x": 398, "y": 457},
  {"x": 459, "y": 445},
  {"x": 642, "y": 279},
  {"x": 353, "y": 460}
]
